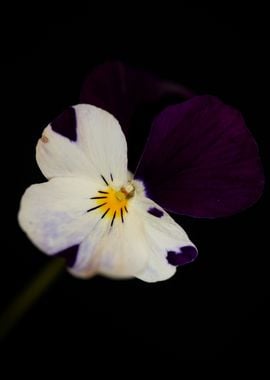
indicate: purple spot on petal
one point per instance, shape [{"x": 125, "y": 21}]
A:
[
  {"x": 65, "y": 124},
  {"x": 185, "y": 255},
  {"x": 156, "y": 212},
  {"x": 69, "y": 254}
]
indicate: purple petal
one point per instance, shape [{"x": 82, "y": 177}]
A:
[
  {"x": 185, "y": 255},
  {"x": 69, "y": 254},
  {"x": 134, "y": 97},
  {"x": 65, "y": 124},
  {"x": 201, "y": 160}
]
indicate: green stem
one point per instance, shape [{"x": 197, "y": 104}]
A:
[{"x": 26, "y": 298}]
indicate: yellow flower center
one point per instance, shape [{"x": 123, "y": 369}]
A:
[{"x": 113, "y": 203}]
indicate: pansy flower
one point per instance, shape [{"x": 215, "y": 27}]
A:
[{"x": 105, "y": 205}]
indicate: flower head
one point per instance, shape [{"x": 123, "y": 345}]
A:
[{"x": 199, "y": 160}]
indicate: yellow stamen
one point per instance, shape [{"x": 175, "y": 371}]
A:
[
  {"x": 120, "y": 195},
  {"x": 113, "y": 203}
]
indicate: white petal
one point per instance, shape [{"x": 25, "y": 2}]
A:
[
  {"x": 54, "y": 214},
  {"x": 99, "y": 148},
  {"x": 162, "y": 235},
  {"x": 102, "y": 140},
  {"x": 120, "y": 252},
  {"x": 57, "y": 156},
  {"x": 136, "y": 248}
]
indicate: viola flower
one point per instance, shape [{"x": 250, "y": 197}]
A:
[{"x": 106, "y": 217}]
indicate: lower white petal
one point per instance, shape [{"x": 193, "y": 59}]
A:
[
  {"x": 54, "y": 214},
  {"x": 116, "y": 237},
  {"x": 163, "y": 235},
  {"x": 136, "y": 246},
  {"x": 117, "y": 251}
]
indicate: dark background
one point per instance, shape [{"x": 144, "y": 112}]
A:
[{"x": 212, "y": 309}]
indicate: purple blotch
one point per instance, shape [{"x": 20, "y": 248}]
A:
[
  {"x": 69, "y": 254},
  {"x": 155, "y": 212},
  {"x": 65, "y": 124},
  {"x": 185, "y": 255}
]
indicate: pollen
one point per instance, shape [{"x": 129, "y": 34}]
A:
[{"x": 113, "y": 203}]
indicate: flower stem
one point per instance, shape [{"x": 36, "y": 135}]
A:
[{"x": 29, "y": 295}]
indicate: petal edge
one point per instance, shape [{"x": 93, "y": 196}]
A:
[{"x": 201, "y": 160}]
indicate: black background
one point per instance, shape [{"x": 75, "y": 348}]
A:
[{"x": 212, "y": 309}]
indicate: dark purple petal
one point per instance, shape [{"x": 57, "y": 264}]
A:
[
  {"x": 185, "y": 255},
  {"x": 69, "y": 254},
  {"x": 134, "y": 97},
  {"x": 155, "y": 212},
  {"x": 201, "y": 160},
  {"x": 65, "y": 124}
]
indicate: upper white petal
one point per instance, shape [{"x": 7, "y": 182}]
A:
[
  {"x": 60, "y": 157},
  {"x": 100, "y": 148},
  {"x": 101, "y": 139}
]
